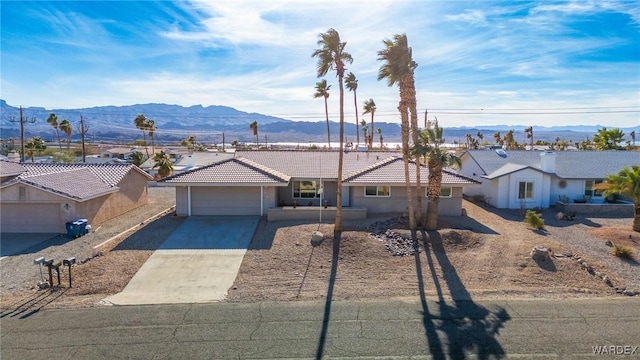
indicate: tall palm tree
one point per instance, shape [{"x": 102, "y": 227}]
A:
[
  {"x": 429, "y": 146},
  {"x": 151, "y": 130},
  {"x": 497, "y": 138},
  {"x": 627, "y": 183},
  {"x": 370, "y": 108},
  {"x": 398, "y": 69},
  {"x": 53, "y": 121},
  {"x": 379, "y": 132},
  {"x": 254, "y": 127},
  {"x": 529, "y": 132},
  {"x": 365, "y": 129},
  {"x": 66, "y": 128},
  {"x": 163, "y": 163},
  {"x": 141, "y": 123},
  {"x": 509, "y": 140},
  {"x": 322, "y": 91},
  {"x": 331, "y": 56},
  {"x": 351, "y": 83}
]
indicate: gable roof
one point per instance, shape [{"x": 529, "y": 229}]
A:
[
  {"x": 79, "y": 182},
  {"x": 235, "y": 171},
  {"x": 569, "y": 164},
  {"x": 391, "y": 171},
  {"x": 276, "y": 168},
  {"x": 508, "y": 169},
  {"x": 10, "y": 168}
]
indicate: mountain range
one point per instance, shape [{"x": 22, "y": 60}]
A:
[{"x": 208, "y": 124}]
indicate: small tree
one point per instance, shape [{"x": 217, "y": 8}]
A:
[
  {"x": 35, "y": 146},
  {"x": 163, "y": 163},
  {"x": 534, "y": 220},
  {"x": 626, "y": 183}
]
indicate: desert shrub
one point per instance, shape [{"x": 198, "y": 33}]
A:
[
  {"x": 533, "y": 219},
  {"x": 622, "y": 251}
]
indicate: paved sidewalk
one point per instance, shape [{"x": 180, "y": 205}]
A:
[{"x": 198, "y": 263}]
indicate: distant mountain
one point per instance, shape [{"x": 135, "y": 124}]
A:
[{"x": 174, "y": 122}]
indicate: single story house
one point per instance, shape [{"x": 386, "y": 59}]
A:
[
  {"x": 42, "y": 197},
  {"x": 526, "y": 179},
  {"x": 290, "y": 184}
]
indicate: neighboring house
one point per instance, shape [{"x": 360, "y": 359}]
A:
[
  {"x": 260, "y": 182},
  {"x": 43, "y": 197},
  {"x": 119, "y": 152},
  {"x": 184, "y": 160},
  {"x": 526, "y": 179}
]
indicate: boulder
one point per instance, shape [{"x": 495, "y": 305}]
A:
[{"x": 540, "y": 254}]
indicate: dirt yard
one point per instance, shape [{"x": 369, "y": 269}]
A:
[{"x": 482, "y": 255}]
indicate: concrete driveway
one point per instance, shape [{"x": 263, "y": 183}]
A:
[
  {"x": 198, "y": 263},
  {"x": 24, "y": 243}
]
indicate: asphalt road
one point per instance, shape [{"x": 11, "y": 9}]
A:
[{"x": 540, "y": 329}]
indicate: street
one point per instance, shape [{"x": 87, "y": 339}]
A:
[{"x": 549, "y": 329}]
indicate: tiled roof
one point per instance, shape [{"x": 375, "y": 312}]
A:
[
  {"x": 230, "y": 171},
  {"x": 569, "y": 164},
  {"x": 314, "y": 164},
  {"x": 507, "y": 169},
  {"x": 268, "y": 167},
  {"x": 10, "y": 168},
  {"x": 77, "y": 181},
  {"x": 391, "y": 171}
]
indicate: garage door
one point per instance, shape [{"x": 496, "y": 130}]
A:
[
  {"x": 225, "y": 201},
  {"x": 34, "y": 218}
]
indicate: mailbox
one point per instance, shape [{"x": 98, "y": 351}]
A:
[{"x": 68, "y": 262}]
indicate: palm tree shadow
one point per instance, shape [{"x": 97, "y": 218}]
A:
[
  {"x": 327, "y": 305},
  {"x": 467, "y": 327}
]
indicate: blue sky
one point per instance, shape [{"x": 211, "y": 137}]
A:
[{"x": 479, "y": 62}]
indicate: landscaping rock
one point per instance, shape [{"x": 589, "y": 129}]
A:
[{"x": 540, "y": 254}]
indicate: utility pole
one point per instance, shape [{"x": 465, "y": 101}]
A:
[
  {"x": 22, "y": 121},
  {"x": 83, "y": 129},
  {"x": 223, "y": 141}
]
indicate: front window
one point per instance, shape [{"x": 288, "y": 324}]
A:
[
  {"x": 377, "y": 191},
  {"x": 445, "y": 192},
  {"x": 589, "y": 190},
  {"x": 525, "y": 190},
  {"x": 305, "y": 189}
]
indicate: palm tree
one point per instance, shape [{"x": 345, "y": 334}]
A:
[
  {"x": 141, "y": 123},
  {"x": 497, "y": 138},
  {"x": 189, "y": 143},
  {"x": 66, "y": 128},
  {"x": 322, "y": 90},
  {"x": 379, "y": 132},
  {"x": 633, "y": 137},
  {"x": 398, "y": 69},
  {"x": 35, "y": 146},
  {"x": 331, "y": 56},
  {"x": 53, "y": 121},
  {"x": 606, "y": 139},
  {"x": 509, "y": 140},
  {"x": 370, "y": 108},
  {"x": 529, "y": 132},
  {"x": 351, "y": 83},
  {"x": 254, "y": 127},
  {"x": 365, "y": 131},
  {"x": 163, "y": 163},
  {"x": 151, "y": 129},
  {"x": 137, "y": 158},
  {"x": 480, "y": 136},
  {"x": 626, "y": 183},
  {"x": 429, "y": 147}
]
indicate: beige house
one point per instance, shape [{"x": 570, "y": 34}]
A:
[
  {"x": 301, "y": 184},
  {"x": 43, "y": 197}
]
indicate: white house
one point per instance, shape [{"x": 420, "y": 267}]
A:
[{"x": 526, "y": 179}]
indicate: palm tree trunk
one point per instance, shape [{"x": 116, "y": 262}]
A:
[
  {"x": 411, "y": 95},
  {"x": 59, "y": 142},
  {"x": 337, "y": 229},
  {"x": 326, "y": 112},
  {"x": 355, "y": 103},
  {"x": 636, "y": 218},
  {"x": 404, "y": 125},
  {"x": 433, "y": 195}
]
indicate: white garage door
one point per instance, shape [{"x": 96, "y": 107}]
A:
[
  {"x": 31, "y": 218},
  {"x": 225, "y": 201}
]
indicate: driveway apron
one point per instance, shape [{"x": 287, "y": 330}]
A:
[{"x": 197, "y": 263}]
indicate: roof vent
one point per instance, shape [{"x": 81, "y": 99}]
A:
[{"x": 501, "y": 153}]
